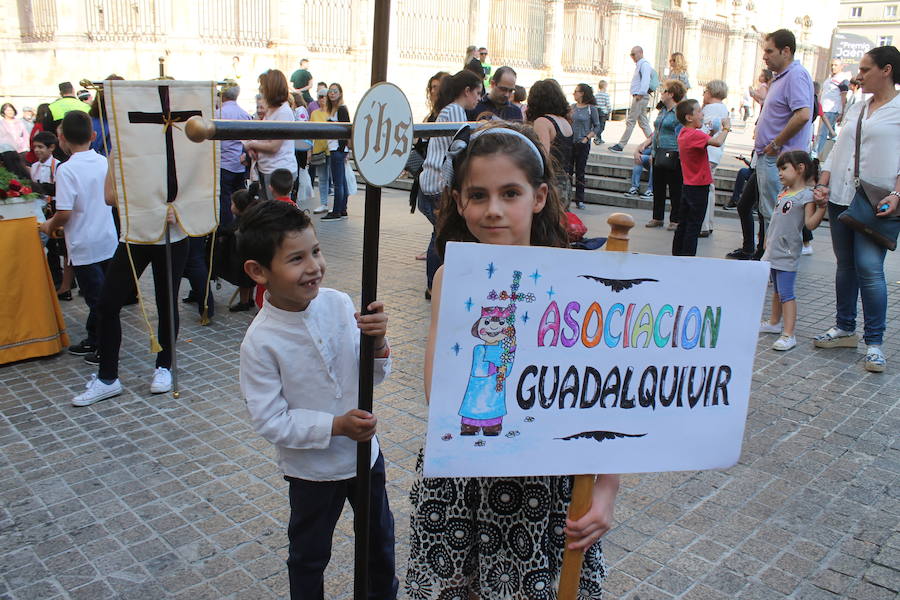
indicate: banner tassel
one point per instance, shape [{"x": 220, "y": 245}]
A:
[{"x": 204, "y": 317}]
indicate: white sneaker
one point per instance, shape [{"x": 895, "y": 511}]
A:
[
  {"x": 319, "y": 210},
  {"x": 767, "y": 327},
  {"x": 785, "y": 342},
  {"x": 632, "y": 193},
  {"x": 648, "y": 195},
  {"x": 807, "y": 250},
  {"x": 162, "y": 381},
  {"x": 96, "y": 390}
]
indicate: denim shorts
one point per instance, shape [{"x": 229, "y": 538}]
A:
[{"x": 783, "y": 282}]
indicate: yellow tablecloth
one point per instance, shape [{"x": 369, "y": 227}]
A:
[{"x": 31, "y": 322}]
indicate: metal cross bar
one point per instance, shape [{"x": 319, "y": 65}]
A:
[{"x": 199, "y": 129}]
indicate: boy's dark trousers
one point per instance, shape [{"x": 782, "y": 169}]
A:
[
  {"x": 315, "y": 509},
  {"x": 693, "y": 210},
  {"x": 90, "y": 279}
]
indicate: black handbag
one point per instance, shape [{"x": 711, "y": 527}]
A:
[
  {"x": 666, "y": 159},
  {"x": 862, "y": 214}
]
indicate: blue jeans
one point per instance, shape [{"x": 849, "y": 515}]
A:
[
  {"x": 339, "y": 178},
  {"x": 637, "y": 170},
  {"x": 229, "y": 183},
  {"x": 324, "y": 180},
  {"x": 823, "y": 133},
  {"x": 427, "y": 205},
  {"x": 769, "y": 185},
  {"x": 860, "y": 272}
]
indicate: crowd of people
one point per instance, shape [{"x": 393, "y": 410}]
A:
[{"x": 521, "y": 169}]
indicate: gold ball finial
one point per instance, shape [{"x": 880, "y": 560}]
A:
[{"x": 198, "y": 129}]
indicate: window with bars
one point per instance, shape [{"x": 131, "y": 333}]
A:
[
  {"x": 856, "y": 11},
  {"x": 113, "y": 20},
  {"x": 327, "y": 24},
  {"x": 435, "y": 31},
  {"x": 38, "y": 20},
  {"x": 586, "y": 28},
  {"x": 886, "y": 40},
  {"x": 516, "y": 36},
  {"x": 236, "y": 22},
  {"x": 890, "y": 10}
]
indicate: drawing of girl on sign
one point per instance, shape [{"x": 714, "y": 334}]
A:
[{"x": 484, "y": 404}]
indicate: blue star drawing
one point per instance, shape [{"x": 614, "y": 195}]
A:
[
  {"x": 491, "y": 269},
  {"x": 525, "y": 317},
  {"x": 535, "y": 276},
  {"x": 456, "y": 349},
  {"x": 469, "y": 304},
  {"x": 551, "y": 293}
]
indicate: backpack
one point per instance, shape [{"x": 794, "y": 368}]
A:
[{"x": 654, "y": 81}]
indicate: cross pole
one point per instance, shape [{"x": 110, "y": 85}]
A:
[{"x": 199, "y": 129}]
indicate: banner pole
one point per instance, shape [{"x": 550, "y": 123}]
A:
[
  {"x": 170, "y": 285},
  {"x": 371, "y": 226},
  {"x": 620, "y": 224}
]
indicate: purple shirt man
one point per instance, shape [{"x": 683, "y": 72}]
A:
[
  {"x": 232, "y": 149},
  {"x": 790, "y": 90}
]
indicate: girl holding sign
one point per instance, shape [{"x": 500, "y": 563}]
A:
[{"x": 500, "y": 537}]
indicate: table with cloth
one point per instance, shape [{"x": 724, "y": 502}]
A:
[{"x": 31, "y": 322}]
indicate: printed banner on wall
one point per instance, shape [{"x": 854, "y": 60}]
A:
[
  {"x": 155, "y": 163},
  {"x": 562, "y": 362}
]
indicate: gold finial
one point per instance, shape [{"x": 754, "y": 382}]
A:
[{"x": 199, "y": 129}]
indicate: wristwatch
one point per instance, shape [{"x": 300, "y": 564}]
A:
[
  {"x": 894, "y": 193},
  {"x": 776, "y": 147}
]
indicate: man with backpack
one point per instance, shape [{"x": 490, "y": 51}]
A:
[{"x": 643, "y": 83}]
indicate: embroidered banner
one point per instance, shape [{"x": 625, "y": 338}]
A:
[
  {"x": 155, "y": 164},
  {"x": 564, "y": 362}
]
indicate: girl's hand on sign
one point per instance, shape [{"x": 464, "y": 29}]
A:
[
  {"x": 374, "y": 323},
  {"x": 598, "y": 520},
  {"x": 170, "y": 215},
  {"x": 358, "y": 425}
]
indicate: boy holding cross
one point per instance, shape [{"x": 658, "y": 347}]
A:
[{"x": 307, "y": 408}]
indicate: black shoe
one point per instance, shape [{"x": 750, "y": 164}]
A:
[
  {"x": 93, "y": 358},
  {"x": 739, "y": 254},
  {"x": 344, "y": 215},
  {"x": 240, "y": 307},
  {"x": 758, "y": 254},
  {"x": 67, "y": 296},
  {"x": 190, "y": 299},
  {"x": 730, "y": 206},
  {"x": 82, "y": 348},
  {"x": 332, "y": 216},
  {"x": 428, "y": 294},
  {"x": 706, "y": 233}
]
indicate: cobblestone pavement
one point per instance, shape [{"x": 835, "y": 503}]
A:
[{"x": 151, "y": 497}]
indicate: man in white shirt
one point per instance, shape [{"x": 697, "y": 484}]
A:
[
  {"x": 640, "y": 96},
  {"x": 833, "y": 101}
]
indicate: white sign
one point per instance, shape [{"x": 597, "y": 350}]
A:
[
  {"x": 563, "y": 362},
  {"x": 382, "y": 134}
]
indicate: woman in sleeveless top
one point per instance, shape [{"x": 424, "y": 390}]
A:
[{"x": 548, "y": 113}]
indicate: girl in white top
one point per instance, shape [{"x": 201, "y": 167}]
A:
[
  {"x": 273, "y": 154},
  {"x": 860, "y": 262}
]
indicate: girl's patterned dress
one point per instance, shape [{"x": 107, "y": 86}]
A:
[{"x": 494, "y": 538}]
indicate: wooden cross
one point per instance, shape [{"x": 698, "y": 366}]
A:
[{"x": 167, "y": 119}]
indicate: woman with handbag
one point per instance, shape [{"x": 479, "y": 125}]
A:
[
  {"x": 666, "y": 164},
  {"x": 271, "y": 155},
  {"x": 337, "y": 153},
  {"x": 861, "y": 186}
]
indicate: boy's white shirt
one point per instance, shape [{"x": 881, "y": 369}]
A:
[
  {"x": 45, "y": 172},
  {"x": 90, "y": 231},
  {"x": 298, "y": 371}
]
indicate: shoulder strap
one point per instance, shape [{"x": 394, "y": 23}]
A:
[
  {"x": 858, "y": 141},
  {"x": 555, "y": 125}
]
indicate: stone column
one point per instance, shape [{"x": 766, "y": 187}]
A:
[
  {"x": 692, "y": 35},
  {"x": 555, "y": 16},
  {"x": 481, "y": 25},
  {"x": 624, "y": 36}
]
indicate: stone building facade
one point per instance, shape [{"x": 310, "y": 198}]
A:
[
  {"x": 877, "y": 20},
  {"x": 43, "y": 42}
]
